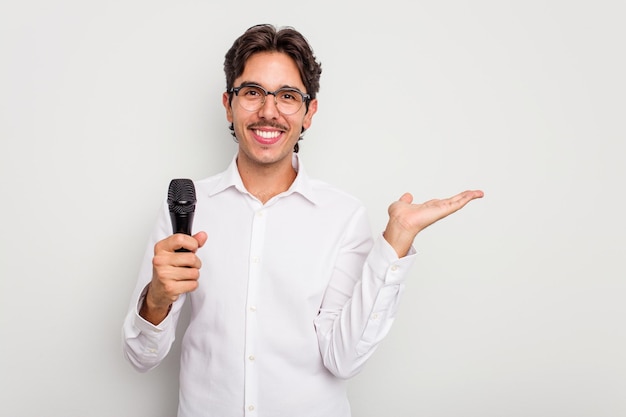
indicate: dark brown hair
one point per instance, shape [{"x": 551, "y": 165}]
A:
[{"x": 267, "y": 38}]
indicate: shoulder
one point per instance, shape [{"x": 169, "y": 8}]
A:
[{"x": 329, "y": 195}]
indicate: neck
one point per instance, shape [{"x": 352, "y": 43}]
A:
[{"x": 266, "y": 181}]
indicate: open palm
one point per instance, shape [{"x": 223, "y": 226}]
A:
[{"x": 407, "y": 219}]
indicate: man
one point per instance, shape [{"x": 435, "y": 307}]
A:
[{"x": 289, "y": 293}]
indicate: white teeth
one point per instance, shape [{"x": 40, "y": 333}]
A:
[{"x": 267, "y": 135}]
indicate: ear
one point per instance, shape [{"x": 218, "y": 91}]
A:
[
  {"x": 308, "y": 117},
  {"x": 227, "y": 106}
]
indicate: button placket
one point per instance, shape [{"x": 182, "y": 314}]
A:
[{"x": 254, "y": 276}]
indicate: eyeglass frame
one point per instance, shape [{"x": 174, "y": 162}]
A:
[{"x": 306, "y": 98}]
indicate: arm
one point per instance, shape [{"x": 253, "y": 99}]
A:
[
  {"x": 166, "y": 276},
  {"x": 359, "y": 307}
]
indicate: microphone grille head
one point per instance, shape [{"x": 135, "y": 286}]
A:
[{"x": 181, "y": 196}]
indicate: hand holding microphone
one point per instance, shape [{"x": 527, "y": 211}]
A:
[{"x": 176, "y": 268}]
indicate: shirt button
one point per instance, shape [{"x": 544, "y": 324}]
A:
[
  {"x": 251, "y": 357},
  {"x": 253, "y": 309},
  {"x": 251, "y": 408},
  {"x": 394, "y": 268}
]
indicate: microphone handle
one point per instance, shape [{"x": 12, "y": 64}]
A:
[{"x": 181, "y": 223}]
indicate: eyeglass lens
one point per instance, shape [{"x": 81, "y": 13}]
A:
[{"x": 252, "y": 98}]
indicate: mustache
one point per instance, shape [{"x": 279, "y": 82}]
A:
[{"x": 259, "y": 125}]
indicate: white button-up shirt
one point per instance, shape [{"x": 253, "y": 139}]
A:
[{"x": 294, "y": 295}]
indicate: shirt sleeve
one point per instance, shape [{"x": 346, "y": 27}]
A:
[
  {"x": 361, "y": 300},
  {"x": 144, "y": 344}
]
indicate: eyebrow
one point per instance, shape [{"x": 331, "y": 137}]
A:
[{"x": 248, "y": 83}]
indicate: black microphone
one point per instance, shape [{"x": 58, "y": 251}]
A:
[{"x": 181, "y": 199}]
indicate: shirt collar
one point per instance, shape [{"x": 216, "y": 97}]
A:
[{"x": 301, "y": 185}]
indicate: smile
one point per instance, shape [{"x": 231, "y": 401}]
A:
[{"x": 267, "y": 135}]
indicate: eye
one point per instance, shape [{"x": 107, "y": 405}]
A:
[
  {"x": 289, "y": 95},
  {"x": 252, "y": 92}
]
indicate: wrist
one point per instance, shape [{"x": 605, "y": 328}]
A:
[
  {"x": 399, "y": 241},
  {"x": 151, "y": 311}
]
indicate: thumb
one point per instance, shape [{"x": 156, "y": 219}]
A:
[
  {"x": 201, "y": 237},
  {"x": 406, "y": 198}
]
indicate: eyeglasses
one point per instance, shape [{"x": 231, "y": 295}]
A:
[{"x": 252, "y": 97}]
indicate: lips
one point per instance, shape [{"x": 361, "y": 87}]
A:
[{"x": 267, "y": 137}]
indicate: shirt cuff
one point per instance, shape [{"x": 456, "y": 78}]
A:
[{"x": 385, "y": 263}]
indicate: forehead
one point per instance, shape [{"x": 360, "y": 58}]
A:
[{"x": 271, "y": 70}]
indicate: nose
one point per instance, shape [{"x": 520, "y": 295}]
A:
[{"x": 269, "y": 109}]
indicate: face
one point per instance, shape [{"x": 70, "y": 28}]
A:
[{"x": 266, "y": 136}]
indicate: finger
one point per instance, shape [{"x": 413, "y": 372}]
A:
[
  {"x": 478, "y": 193},
  {"x": 165, "y": 292},
  {"x": 201, "y": 238},
  {"x": 185, "y": 260},
  {"x": 165, "y": 259},
  {"x": 183, "y": 241},
  {"x": 431, "y": 202},
  {"x": 466, "y": 196},
  {"x": 472, "y": 194},
  {"x": 187, "y": 286},
  {"x": 169, "y": 273},
  {"x": 175, "y": 242},
  {"x": 406, "y": 198},
  {"x": 186, "y": 274}
]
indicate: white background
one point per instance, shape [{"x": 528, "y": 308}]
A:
[{"x": 516, "y": 306}]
